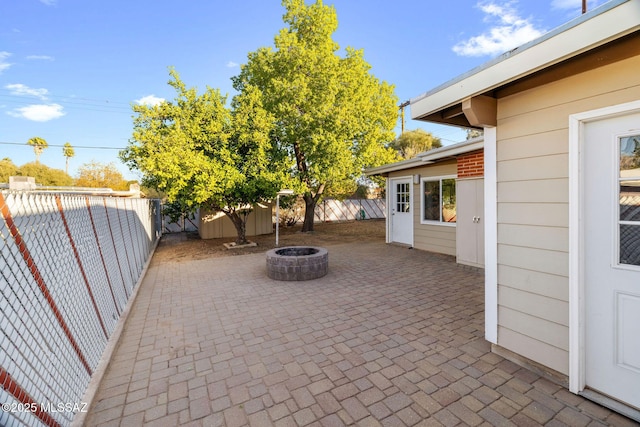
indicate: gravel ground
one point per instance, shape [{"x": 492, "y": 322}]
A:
[{"x": 187, "y": 246}]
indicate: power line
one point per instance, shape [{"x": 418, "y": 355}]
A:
[
  {"x": 62, "y": 145},
  {"x": 71, "y": 105},
  {"x": 89, "y": 104},
  {"x": 401, "y": 107},
  {"x": 13, "y": 92},
  {"x": 31, "y": 100}
]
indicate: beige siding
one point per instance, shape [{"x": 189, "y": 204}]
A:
[
  {"x": 532, "y": 174},
  {"x": 533, "y": 168},
  {"x": 526, "y": 324},
  {"x": 550, "y": 285},
  {"x": 535, "y": 305},
  {"x": 609, "y": 81},
  {"x": 435, "y": 238},
  {"x": 555, "y": 190},
  {"x": 531, "y": 236},
  {"x": 545, "y": 261},
  {"x": 429, "y": 237},
  {"x": 526, "y": 146},
  {"x": 538, "y": 351},
  {"x": 542, "y": 214}
]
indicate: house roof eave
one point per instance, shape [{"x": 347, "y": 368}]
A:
[
  {"x": 613, "y": 20},
  {"x": 429, "y": 157},
  {"x": 392, "y": 167},
  {"x": 452, "y": 150}
]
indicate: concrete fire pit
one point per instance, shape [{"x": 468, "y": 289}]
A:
[{"x": 297, "y": 263}]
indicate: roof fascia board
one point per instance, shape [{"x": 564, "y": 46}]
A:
[
  {"x": 452, "y": 150},
  {"x": 392, "y": 167},
  {"x": 429, "y": 157},
  {"x": 612, "y": 20}
]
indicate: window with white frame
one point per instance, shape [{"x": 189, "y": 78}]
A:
[
  {"x": 438, "y": 200},
  {"x": 629, "y": 201}
]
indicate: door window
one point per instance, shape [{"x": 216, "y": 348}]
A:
[
  {"x": 629, "y": 201},
  {"x": 403, "y": 201}
]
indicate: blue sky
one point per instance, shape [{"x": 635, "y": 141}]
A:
[{"x": 71, "y": 69}]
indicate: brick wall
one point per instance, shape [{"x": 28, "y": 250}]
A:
[{"x": 471, "y": 164}]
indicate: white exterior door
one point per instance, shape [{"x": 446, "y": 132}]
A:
[
  {"x": 611, "y": 265},
  {"x": 401, "y": 211}
]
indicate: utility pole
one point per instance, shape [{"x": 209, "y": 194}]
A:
[
  {"x": 584, "y": 6},
  {"x": 401, "y": 108}
]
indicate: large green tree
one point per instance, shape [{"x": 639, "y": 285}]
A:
[
  {"x": 474, "y": 133},
  {"x": 413, "y": 142},
  {"x": 7, "y": 169},
  {"x": 45, "y": 175},
  {"x": 333, "y": 116},
  {"x": 39, "y": 145},
  {"x": 203, "y": 154},
  {"x": 101, "y": 175}
]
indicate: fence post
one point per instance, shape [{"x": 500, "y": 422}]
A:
[{"x": 159, "y": 218}]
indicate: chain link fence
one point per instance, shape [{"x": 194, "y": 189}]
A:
[
  {"x": 327, "y": 210},
  {"x": 349, "y": 209},
  {"x": 68, "y": 265},
  {"x": 187, "y": 223}
]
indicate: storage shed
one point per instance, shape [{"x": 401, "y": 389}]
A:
[{"x": 215, "y": 225}]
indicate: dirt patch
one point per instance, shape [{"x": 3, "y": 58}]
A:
[{"x": 188, "y": 246}]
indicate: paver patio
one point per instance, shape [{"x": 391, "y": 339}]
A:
[{"x": 391, "y": 336}]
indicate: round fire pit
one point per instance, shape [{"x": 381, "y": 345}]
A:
[{"x": 297, "y": 263}]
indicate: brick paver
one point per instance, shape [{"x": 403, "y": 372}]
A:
[{"x": 389, "y": 337}]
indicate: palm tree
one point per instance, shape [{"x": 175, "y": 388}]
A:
[
  {"x": 38, "y": 144},
  {"x": 68, "y": 152}
]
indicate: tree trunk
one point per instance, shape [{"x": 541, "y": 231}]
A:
[
  {"x": 310, "y": 202},
  {"x": 309, "y": 212},
  {"x": 239, "y": 221}
]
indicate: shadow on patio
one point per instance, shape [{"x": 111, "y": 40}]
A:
[{"x": 390, "y": 336}]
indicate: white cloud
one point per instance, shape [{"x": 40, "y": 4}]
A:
[
  {"x": 150, "y": 100},
  {"x": 509, "y": 32},
  {"x": 23, "y": 90},
  {"x": 39, "y": 112},
  {"x": 40, "y": 57},
  {"x": 232, "y": 64},
  {"x": 49, "y": 2},
  {"x": 34, "y": 112},
  {"x": 3, "y": 61}
]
